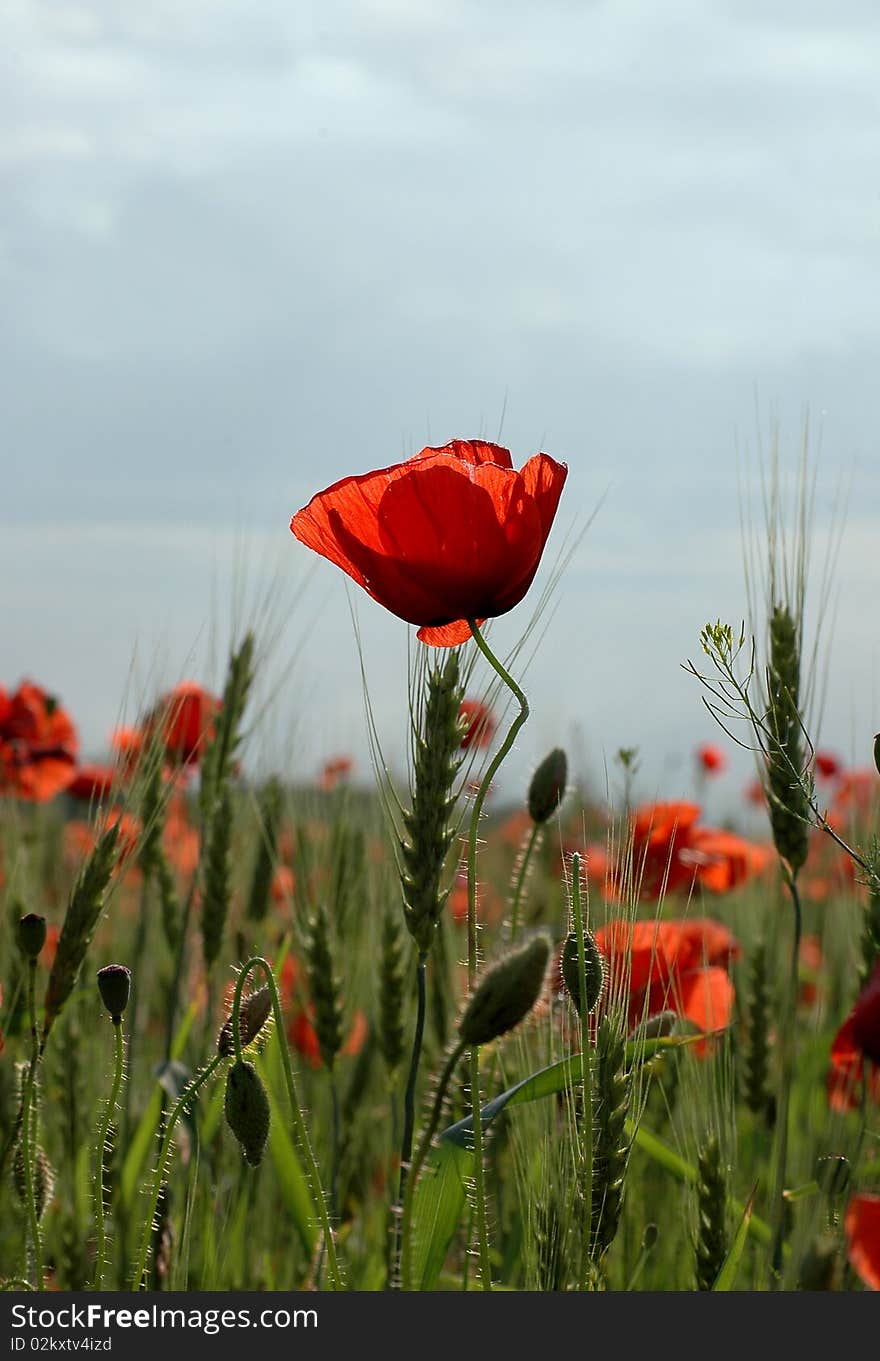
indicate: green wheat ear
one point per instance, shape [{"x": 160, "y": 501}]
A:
[
  {"x": 710, "y": 1248},
  {"x": 611, "y": 1145},
  {"x": 324, "y": 987},
  {"x": 391, "y": 988},
  {"x": 786, "y": 756},
  {"x": 428, "y": 823}
]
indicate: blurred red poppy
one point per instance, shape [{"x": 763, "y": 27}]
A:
[
  {"x": 857, "y": 1040},
  {"x": 335, "y": 772},
  {"x": 679, "y": 966},
  {"x": 91, "y": 783},
  {"x": 38, "y": 744},
  {"x": 453, "y": 534},
  {"x": 711, "y": 759},
  {"x": 863, "y": 1238},
  {"x": 478, "y": 722},
  {"x": 184, "y": 720},
  {"x": 827, "y": 765},
  {"x": 302, "y": 1035},
  {"x": 129, "y": 744}
]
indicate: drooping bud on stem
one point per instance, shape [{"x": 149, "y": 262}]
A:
[
  {"x": 252, "y": 1016},
  {"x": 247, "y": 1110},
  {"x": 547, "y": 788},
  {"x": 114, "y": 985},
  {"x": 31, "y": 934},
  {"x": 506, "y": 993}
]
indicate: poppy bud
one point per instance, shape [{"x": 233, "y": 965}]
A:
[
  {"x": 548, "y": 786},
  {"x": 31, "y": 934},
  {"x": 657, "y": 1027},
  {"x": 571, "y": 971},
  {"x": 114, "y": 985},
  {"x": 877, "y": 752},
  {"x": 506, "y": 993},
  {"x": 247, "y": 1110},
  {"x": 252, "y": 1016}
]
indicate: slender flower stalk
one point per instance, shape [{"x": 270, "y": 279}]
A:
[
  {"x": 476, "y": 1103},
  {"x": 28, "y": 1126},
  {"x": 257, "y": 962},
  {"x": 583, "y": 1010},
  {"x": 100, "y": 1157},
  {"x": 419, "y": 1161}
]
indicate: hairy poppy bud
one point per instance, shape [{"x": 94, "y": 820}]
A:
[
  {"x": 506, "y": 993},
  {"x": 877, "y": 752},
  {"x": 31, "y": 934},
  {"x": 833, "y": 1173},
  {"x": 571, "y": 971},
  {"x": 252, "y": 1016},
  {"x": 114, "y": 985},
  {"x": 247, "y": 1110},
  {"x": 548, "y": 786}
]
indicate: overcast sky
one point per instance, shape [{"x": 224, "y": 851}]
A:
[{"x": 248, "y": 248}]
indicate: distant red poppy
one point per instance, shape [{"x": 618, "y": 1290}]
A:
[
  {"x": 754, "y": 793},
  {"x": 827, "y": 765},
  {"x": 711, "y": 759},
  {"x": 810, "y": 964},
  {"x": 184, "y": 719},
  {"x": 478, "y": 722},
  {"x": 453, "y": 534},
  {"x": 283, "y": 885},
  {"x": 38, "y": 744},
  {"x": 335, "y": 772},
  {"x": 863, "y": 1238},
  {"x": 91, "y": 783}
]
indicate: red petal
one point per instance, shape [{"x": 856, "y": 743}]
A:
[{"x": 863, "y": 1238}]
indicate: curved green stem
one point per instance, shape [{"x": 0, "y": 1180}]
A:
[
  {"x": 101, "y": 1241},
  {"x": 521, "y": 879},
  {"x": 480, "y": 799},
  {"x": 418, "y": 1163},
  {"x": 27, "y": 1131},
  {"x": 519, "y": 720},
  {"x": 302, "y": 1134},
  {"x": 189, "y": 1093}
]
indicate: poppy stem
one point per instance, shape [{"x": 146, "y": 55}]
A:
[
  {"x": 102, "y": 1154},
  {"x": 29, "y": 1126},
  {"x": 586, "y": 1068},
  {"x": 302, "y": 1134},
  {"x": 521, "y": 879},
  {"x": 476, "y": 1102}
]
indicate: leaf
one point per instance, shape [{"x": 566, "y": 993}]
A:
[
  {"x": 292, "y": 1182},
  {"x": 726, "y": 1278}
]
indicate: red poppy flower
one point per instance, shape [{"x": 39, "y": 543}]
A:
[
  {"x": 38, "y": 744},
  {"x": 479, "y": 724},
  {"x": 676, "y": 966},
  {"x": 455, "y": 533},
  {"x": 91, "y": 782},
  {"x": 184, "y": 719},
  {"x": 863, "y": 1238},
  {"x": 128, "y": 743},
  {"x": 711, "y": 759}
]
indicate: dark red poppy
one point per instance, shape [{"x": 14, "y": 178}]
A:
[
  {"x": 479, "y": 724},
  {"x": 455, "y": 533},
  {"x": 38, "y": 744},
  {"x": 711, "y": 759},
  {"x": 184, "y": 720},
  {"x": 863, "y": 1238},
  {"x": 91, "y": 783}
]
